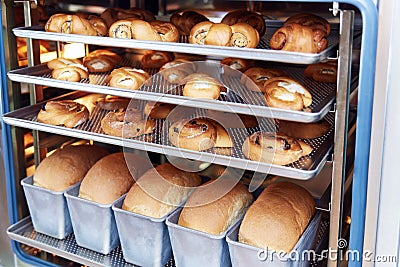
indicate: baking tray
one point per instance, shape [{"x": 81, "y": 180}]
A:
[
  {"x": 48, "y": 209},
  {"x": 194, "y": 248},
  {"x": 144, "y": 240},
  {"x": 246, "y": 255},
  {"x": 93, "y": 223},
  {"x": 23, "y": 232},
  {"x": 262, "y": 52},
  {"x": 238, "y": 99},
  {"x": 305, "y": 168}
]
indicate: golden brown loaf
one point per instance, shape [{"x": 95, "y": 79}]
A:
[
  {"x": 253, "y": 19},
  {"x": 66, "y": 166},
  {"x": 175, "y": 71},
  {"x": 185, "y": 21},
  {"x": 310, "y": 20},
  {"x": 277, "y": 219},
  {"x": 73, "y": 24},
  {"x": 64, "y": 69},
  {"x": 201, "y": 85},
  {"x": 239, "y": 64},
  {"x": 108, "y": 179},
  {"x": 160, "y": 190},
  {"x": 203, "y": 213},
  {"x": 64, "y": 112},
  {"x": 236, "y": 35},
  {"x": 258, "y": 76}
]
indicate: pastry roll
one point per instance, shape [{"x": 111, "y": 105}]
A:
[
  {"x": 252, "y": 18},
  {"x": 101, "y": 60},
  {"x": 185, "y": 21},
  {"x": 274, "y": 148},
  {"x": 156, "y": 59},
  {"x": 258, "y": 76},
  {"x": 128, "y": 78},
  {"x": 73, "y": 24},
  {"x": 64, "y": 112}
]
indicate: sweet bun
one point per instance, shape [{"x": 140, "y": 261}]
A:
[
  {"x": 156, "y": 59},
  {"x": 286, "y": 93},
  {"x": 325, "y": 72},
  {"x": 243, "y": 16},
  {"x": 111, "y": 15},
  {"x": 142, "y": 30},
  {"x": 259, "y": 76},
  {"x": 158, "y": 110},
  {"x": 274, "y": 148},
  {"x": 185, "y": 21},
  {"x": 198, "y": 134},
  {"x": 107, "y": 180},
  {"x": 239, "y": 64},
  {"x": 311, "y": 20},
  {"x": 237, "y": 35},
  {"x": 220, "y": 213},
  {"x": 66, "y": 166},
  {"x": 73, "y": 24},
  {"x": 101, "y": 60},
  {"x": 110, "y": 102},
  {"x": 175, "y": 71},
  {"x": 71, "y": 70},
  {"x": 127, "y": 124},
  {"x": 64, "y": 112},
  {"x": 128, "y": 78},
  {"x": 160, "y": 190},
  {"x": 304, "y": 130},
  {"x": 201, "y": 85}
]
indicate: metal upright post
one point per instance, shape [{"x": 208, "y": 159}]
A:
[{"x": 336, "y": 244}]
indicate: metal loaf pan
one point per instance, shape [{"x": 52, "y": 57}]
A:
[
  {"x": 245, "y": 255},
  {"x": 48, "y": 209},
  {"x": 93, "y": 223},
  {"x": 144, "y": 240},
  {"x": 193, "y": 248}
]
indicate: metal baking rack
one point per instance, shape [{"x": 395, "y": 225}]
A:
[
  {"x": 305, "y": 168},
  {"x": 262, "y": 52},
  {"x": 239, "y": 100},
  {"x": 24, "y": 233}
]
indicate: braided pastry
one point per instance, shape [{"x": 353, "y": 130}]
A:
[
  {"x": 142, "y": 30},
  {"x": 198, "y": 134},
  {"x": 237, "y": 35},
  {"x": 155, "y": 59},
  {"x": 175, "y": 71},
  {"x": 274, "y": 148},
  {"x": 127, "y": 124},
  {"x": 253, "y": 19},
  {"x": 310, "y": 20},
  {"x": 128, "y": 78},
  {"x": 65, "y": 112},
  {"x": 73, "y": 24},
  {"x": 64, "y": 69},
  {"x": 325, "y": 72},
  {"x": 239, "y": 64},
  {"x": 101, "y": 60},
  {"x": 185, "y": 21},
  {"x": 201, "y": 85},
  {"x": 111, "y": 15},
  {"x": 286, "y": 93},
  {"x": 259, "y": 76},
  {"x": 158, "y": 110},
  {"x": 111, "y": 102}
]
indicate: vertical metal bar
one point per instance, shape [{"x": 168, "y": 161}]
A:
[{"x": 341, "y": 128}]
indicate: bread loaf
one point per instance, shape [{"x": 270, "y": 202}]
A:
[
  {"x": 278, "y": 217},
  {"x": 160, "y": 190},
  {"x": 203, "y": 213},
  {"x": 66, "y": 166},
  {"x": 110, "y": 178}
]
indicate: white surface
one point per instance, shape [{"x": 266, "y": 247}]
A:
[{"x": 383, "y": 215}]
